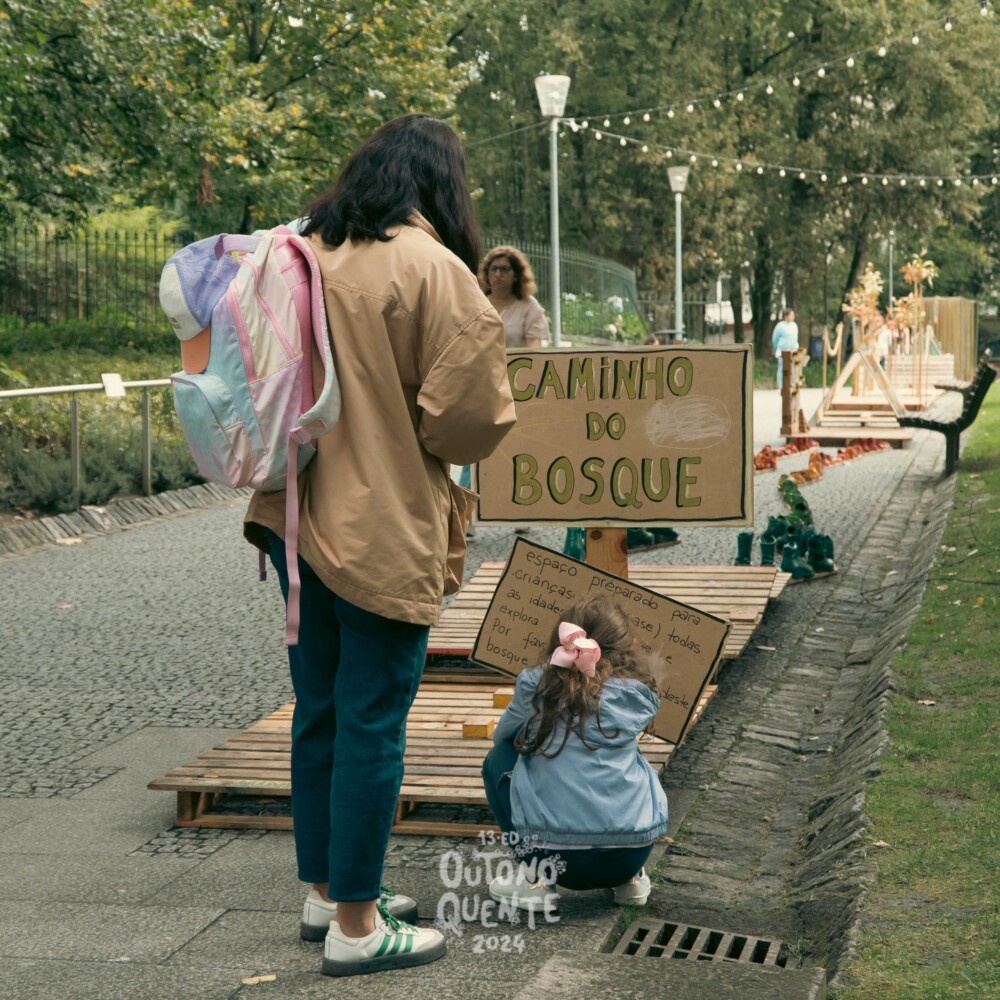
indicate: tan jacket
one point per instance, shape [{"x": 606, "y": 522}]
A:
[{"x": 420, "y": 356}]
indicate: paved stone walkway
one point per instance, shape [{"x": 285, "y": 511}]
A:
[{"x": 130, "y": 652}]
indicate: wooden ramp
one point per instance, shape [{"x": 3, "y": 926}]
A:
[
  {"x": 738, "y": 594},
  {"x": 442, "y": 765}
]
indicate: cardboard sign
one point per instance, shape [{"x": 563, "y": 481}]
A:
[
  {"x": 651, "y": 435},
  {"x": 681, "y": 644}
]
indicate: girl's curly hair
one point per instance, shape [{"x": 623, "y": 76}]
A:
[{"x": 568, "y": 695}]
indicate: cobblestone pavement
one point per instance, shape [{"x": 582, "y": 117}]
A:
[{"x": 164, "y": 626}]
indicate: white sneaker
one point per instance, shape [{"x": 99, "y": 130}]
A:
[
  {"x": 516, "y": 890},
  {"x": 392, "y": 945},
  {"x": 318, "y": 913},
  {"x": 635, "y": 891}
]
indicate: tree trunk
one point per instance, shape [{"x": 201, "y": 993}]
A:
[
  {"x": 761, "y": 295},
  {"x": 736, "y": 301}
]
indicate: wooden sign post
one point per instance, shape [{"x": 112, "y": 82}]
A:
[
  {"x": 657, "y": 436},
  {"x": 681, "y": 644}
]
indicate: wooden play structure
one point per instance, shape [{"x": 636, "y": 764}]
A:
[
  {"x": 450, "y": 725},
  {"x": 897, "y": 366}
]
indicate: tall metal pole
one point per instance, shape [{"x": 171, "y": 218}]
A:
[
  {"x": 678, "y": 294},
  {"x": 892, "y": 241},
  {"x": 556, "y": 302}
]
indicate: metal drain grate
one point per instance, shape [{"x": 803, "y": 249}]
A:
[{"x": 663, "y": 939}]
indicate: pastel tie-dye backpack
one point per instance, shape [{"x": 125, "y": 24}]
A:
[{"x": 248, "y": 311}]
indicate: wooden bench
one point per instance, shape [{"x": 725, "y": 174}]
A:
[{"x": 952, "y": 429}]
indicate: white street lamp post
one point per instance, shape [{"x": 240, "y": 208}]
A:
[
  {"x": 552, "y": 92},
  {"x": 678, "y": 181}
]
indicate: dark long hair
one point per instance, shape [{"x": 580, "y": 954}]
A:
[
  {"x": 568, "y": 696},
  {"x": 412, "y": 163}
]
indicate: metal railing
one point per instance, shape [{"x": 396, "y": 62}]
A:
[{"x": 114, "y": 388}]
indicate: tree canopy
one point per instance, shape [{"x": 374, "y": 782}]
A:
[{"x": 233, "y": 113}]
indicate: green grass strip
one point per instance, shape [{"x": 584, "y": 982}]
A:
[{"x": 931, "y": 925}]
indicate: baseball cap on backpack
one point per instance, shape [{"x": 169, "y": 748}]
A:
[{"x": 250, "y": 316}]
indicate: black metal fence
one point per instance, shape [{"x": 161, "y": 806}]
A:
[{"x": 49, "y": 277}]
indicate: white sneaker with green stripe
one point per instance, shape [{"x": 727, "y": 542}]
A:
[
  {"x": 318, "y": 913},
  {"x": 392, "y": 945}
]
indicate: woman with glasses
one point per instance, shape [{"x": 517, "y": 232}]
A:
[{"x": 508, "y": 282}]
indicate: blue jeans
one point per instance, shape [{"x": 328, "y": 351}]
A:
[
  {"x": 588, "y": 868},
  {"x": 355, "y": 675}
]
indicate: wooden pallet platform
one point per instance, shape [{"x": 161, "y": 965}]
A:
[
  {"x": 837, "y": 437},
  {"x": 441, "y": 765},
  {"x": 738, "y": 594}
]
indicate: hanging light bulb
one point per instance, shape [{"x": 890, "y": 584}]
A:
[
  {"x": 864, "y": 180},
  {"x": 626, "y": 120},
  {"x": 885, "y": 182},
  {"x": 795, "y": 80},
  {"x": 760, "y": 170},
  {"x": 850, "y": 62},
  {"x": 716, "y": 103},
  {"x": 843, "y": 178},
  {"x": 958, "y": 182},
  {"x": 739, "y": 166},
  {"x": 881, "y": 50},
  {"x": 715, "y": 162},
  {"x": 584, "y": 124},
  {"x": 670, "y": 153},
  {"x": 607, "y": 123},
  {"x": 915, "y": 39},
  {"x": 947, "y": 24},
  {"x": 822, "y": 177},
  {"x": 690, "y": 108},
  {"x": 597, "y": 135},
  {"x": 645, "y": 148},
  {"x": 693, "y": 158},
  {"x": 645, "y": 117},
  {"x": 670, "y": 112},
  {"x": 983, "y": 8},
  {"x": 622, "y": 142},
  {"x": 802, "y": 175},
  {"x": 740, "y": 96},
  {"x": 821, "y": 72},
  {"x": 940, "y": 183},
  {"x": 769, "y": 89},
  {"x": 923, "y": 182},
  {"x": 993, "y": 180},
  {"x": 902, "y": 182},
  {"x": 975, "y": 182}
]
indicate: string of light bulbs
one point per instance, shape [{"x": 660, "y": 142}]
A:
[
  {"x": 740, "y": 94},
  {"x": 743, "y": 165}
]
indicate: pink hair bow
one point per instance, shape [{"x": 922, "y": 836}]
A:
[{"x": 575, "y": 650}]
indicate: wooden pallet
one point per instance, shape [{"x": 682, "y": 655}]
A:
[
  {"x": 440, "y": 764},
  {"x": 838, "y": 437},
  {"x": 738, "y": 594}
]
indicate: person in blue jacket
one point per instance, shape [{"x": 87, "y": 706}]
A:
[{"x": 567, "y": 784}]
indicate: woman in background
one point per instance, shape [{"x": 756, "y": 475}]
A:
[{"x": 509, "y": 284}]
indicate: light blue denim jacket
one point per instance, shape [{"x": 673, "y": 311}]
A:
[{"x": 608, "y": 797}]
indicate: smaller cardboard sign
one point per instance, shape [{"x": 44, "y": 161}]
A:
[{"x": 681, "y": 644}]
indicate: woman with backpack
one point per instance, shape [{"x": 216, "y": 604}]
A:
[{"x": 419, "y": 353}]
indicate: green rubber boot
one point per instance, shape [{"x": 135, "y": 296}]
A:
[
  {"x": 639, "y": 538},
  {"x": 744, "y": 544},
  {"x": 766, "y": 550},
  {"x": 792, "y": 562},
  {"x": 816, "y": 554},
  {"x": 664, "y": 535},
  {"x": 575, "y": 545}
]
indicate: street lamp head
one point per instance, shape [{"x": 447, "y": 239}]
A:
[
  {"x": 552, "y": 92},
  {"x": 678, "y": 178}
]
